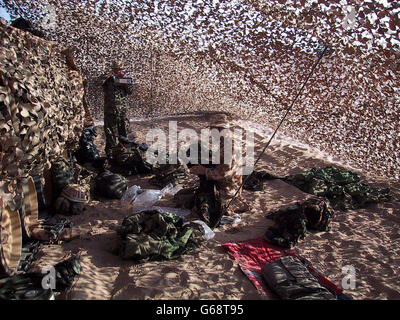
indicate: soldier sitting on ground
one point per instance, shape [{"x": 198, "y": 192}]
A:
[{"x": 218, "y": 183}]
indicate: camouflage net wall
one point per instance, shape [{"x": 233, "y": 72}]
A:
[
  {"x": 41, "y": 112},
  {"x": 248, "y": 57}
]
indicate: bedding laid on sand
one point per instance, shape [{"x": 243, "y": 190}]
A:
[
  {"x": 253, "y": 255},
  {"x": 343, "y": 188}
]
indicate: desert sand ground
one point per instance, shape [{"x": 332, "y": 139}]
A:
[{"x": 367, "y": 239}]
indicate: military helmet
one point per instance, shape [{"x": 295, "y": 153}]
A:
[
  {"x": 67, "y": 207},
  {"x": 75, "y": 193}
]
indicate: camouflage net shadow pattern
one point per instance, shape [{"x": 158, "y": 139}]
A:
[
  {"x": 247, "y": 57},
  {"x": 41, "y": 113}
]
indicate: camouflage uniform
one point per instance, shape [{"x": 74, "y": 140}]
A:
[
  {"x": 116, "y": 122},
  {"x": 342, "y": 187},
  {"x": 290, "y": 227},
  {"x": 293, "y": 222},
  {"x": 128, "y": 160},
  {"x": 154, "y": 235},
  {"x": 219, "y": 183},
  {"x": 208, "y": 203},
  {"x": 227, "y": 178}
]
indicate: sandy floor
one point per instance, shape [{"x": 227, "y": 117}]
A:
[{"x": 367, "y": 239}]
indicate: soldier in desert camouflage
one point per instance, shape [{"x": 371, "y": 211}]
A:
[
  {"x": 225, "y": 175},
  {"x": 116, "y": 123}
]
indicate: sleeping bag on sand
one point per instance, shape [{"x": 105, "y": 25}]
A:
[
  {"x": 290, "y": 279},
  {"x": 252, "y": 256}
]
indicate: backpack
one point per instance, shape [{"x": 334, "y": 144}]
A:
[
  {"x": 110, "y": 185},
  {"x": 62, "y": 174},
  {"x": 319, "y": 214}
]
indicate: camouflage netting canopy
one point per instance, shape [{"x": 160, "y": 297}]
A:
[
  {"x": 249, "y": 58},
  {"x": 41, "y": 110}
]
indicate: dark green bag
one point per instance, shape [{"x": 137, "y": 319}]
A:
[
  {"x": 110, "y": 185},
  {"x": 129, "y": 160},
  {"x": 62, "y": 174},
  {"x": 290, "y": 279}
]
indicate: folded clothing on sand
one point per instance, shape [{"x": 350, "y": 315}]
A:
[
  {"x": 252, "y": 255},
  {"x": 154, "y": 235},
  {"x": 291, "y": 223},
  {"x": 343, "y": 188}
]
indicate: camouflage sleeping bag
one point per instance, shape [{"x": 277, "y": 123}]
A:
[
  {"x": 155, "y": 235},
  {"x": 343, "y": 188}
]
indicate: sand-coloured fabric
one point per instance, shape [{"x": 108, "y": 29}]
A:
[{"x": 41, "y": 112}]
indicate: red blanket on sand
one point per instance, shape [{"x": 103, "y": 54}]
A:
[{"x": 252, "y": 255}]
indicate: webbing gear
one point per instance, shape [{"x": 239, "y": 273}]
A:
[{"x": 55, "y": 229}]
